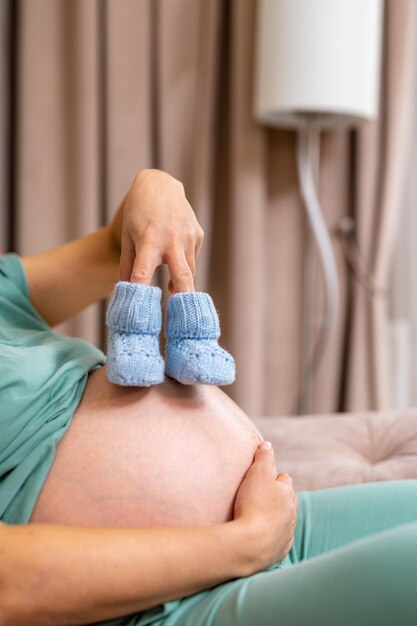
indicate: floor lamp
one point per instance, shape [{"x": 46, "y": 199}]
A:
[{"x": 317, "y": 67}]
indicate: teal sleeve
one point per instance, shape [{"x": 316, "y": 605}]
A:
[
  {"x": 16, "y": 309},
  {"x": 12, "y": 269}
]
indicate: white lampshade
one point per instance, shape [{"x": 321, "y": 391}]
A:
[{"x": 317, "y": 58}]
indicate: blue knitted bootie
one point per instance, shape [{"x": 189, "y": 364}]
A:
[
  {"x": 193, "y": 354},
  {"x": 134, "y": 319}
]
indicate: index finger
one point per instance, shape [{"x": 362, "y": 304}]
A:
[{"x": 146, "y": 261}]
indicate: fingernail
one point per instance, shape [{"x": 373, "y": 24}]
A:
[{"x": 266, "y": 445}]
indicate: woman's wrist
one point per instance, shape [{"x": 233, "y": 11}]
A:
[
  {"x": 251, "y": 556},
  {"x": 154, "y": 176}
]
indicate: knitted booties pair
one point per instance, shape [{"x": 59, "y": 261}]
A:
[{"x": 193, "y": 354}]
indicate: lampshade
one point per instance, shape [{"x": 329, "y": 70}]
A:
[{"x": 318, "y": 59}]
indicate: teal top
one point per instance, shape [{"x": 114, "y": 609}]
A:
[{"x": 43, "y": 375}]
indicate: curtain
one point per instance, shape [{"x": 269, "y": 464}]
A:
[
  {"x": 402, "y": 293},
  {"x": 100, "y": 89},
  {"x": 382, "y": 157},
  {"x": 6, "y": 24}
]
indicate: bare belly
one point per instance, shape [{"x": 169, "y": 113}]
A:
[{"x": 168, "y": 455}]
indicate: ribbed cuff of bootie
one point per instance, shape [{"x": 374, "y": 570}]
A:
[
  {"x": 135, "y": 308},
  {"x": 193, "y": 354},
  {"x": 192, "y": 316}
]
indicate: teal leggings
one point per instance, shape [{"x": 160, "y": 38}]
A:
[{"x": 353, "y": 563}]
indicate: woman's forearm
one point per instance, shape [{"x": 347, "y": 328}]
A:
[
  {"x": 65, "y": 280},
  {"x": 70, "y": 575}
]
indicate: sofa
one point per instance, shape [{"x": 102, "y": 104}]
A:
[{"x": 344, "y": 448}]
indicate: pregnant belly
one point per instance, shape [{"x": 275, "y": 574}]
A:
[{"x": 168, "y": 455}]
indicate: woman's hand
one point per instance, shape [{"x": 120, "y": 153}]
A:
[
  {"x": 154, "y": 225},
  {"x": 267, "y": 504}
]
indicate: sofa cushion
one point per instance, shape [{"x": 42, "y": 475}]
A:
[{"x": 339, "y": 449}]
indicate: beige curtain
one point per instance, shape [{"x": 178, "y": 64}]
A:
[
  {"x": 402, "y": 293},
  {"x": 6, "y": 27},
  {"x": 106, "y": 88},
  {"x": 382, "y": 155}
]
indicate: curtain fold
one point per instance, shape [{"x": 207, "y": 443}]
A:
[
  {"x": 58, "y": 177},
  {"x": 383, "y": 150},
  {"x": 129, "y": 89},
  {"x": 107, "y": 88},
  {"x": 403, "y": 288},
  {"x": 6, "y": 28},
  {"x": 247, "y": 172}
]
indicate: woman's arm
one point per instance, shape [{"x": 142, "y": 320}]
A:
[
  {"x": 65, "y": 280},
  {"x": 153, "y": 225},
  {"x": 59, "y": 575}
]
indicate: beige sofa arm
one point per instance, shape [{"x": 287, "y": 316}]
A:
[{"x": 344, "y": 448}]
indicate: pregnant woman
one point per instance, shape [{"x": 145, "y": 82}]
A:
[{"x": 162, "y": 505}]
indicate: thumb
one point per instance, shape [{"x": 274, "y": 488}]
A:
[
  {"x": 264, "y": 460},
  {"x": 265, "y": 445}
]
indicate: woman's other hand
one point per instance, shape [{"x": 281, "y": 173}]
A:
[
  {"x": 155, "y": 225},
  {"x": 267, "y": 505}
]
